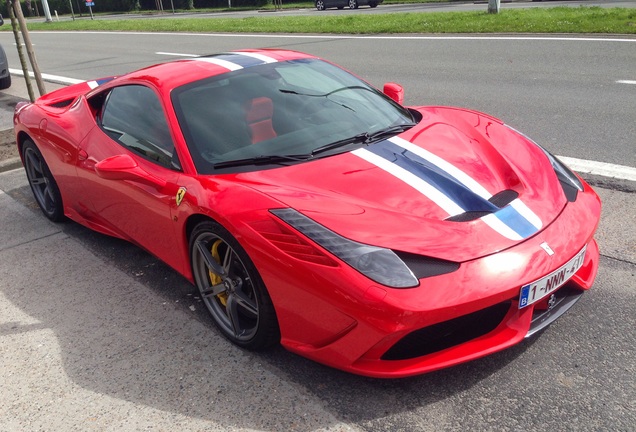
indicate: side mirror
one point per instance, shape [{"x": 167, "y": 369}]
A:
[
  {"x": 124, "y": 167},
  {"x": 394, "y": 91}
]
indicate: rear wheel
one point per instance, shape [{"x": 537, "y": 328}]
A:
[
  {"x": 373, "y": 4},
  {"x": 42, "y": 183},
  {"x": 231, "y": 288},
  {"x": 320, "y": 5},
  {"x": 353, "y": 4}
]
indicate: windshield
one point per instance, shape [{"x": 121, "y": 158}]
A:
[{"x": 284, "y": 112}]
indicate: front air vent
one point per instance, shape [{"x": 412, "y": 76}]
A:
[
  {"x": 62, "y": 104},
  {"x": 499, "y": 200},
  {"x": 423, "y": 267},
  {"x": 448, "y": 334},
  {"x": 467, "y": 216},
  {"x": 503, "y": 198}
]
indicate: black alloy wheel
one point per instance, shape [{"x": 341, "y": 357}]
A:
[
  {"x": 45, "y": 189},
  {"x": 231, "y": 288}
]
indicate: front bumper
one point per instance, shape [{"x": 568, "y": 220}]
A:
[{"x": 454, "y": 318}]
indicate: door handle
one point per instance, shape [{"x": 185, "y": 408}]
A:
[{"x": 82, "y": 155}]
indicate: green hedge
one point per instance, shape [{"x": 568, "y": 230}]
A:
[{"x": 63, "y": 6}]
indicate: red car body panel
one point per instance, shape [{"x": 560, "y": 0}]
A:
[{"x": 328, "y": 311}]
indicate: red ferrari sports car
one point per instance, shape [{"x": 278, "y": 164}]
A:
[{"x": 315, "y": 211}]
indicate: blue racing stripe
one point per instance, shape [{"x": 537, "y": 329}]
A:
[
  {"x": 455, "y": 190},
  {"x": 241, "y": 60},
  {"x": 433, "y": 175},
  {"x": 516, "y": 222},
  {"x": 104, "y": 80}
]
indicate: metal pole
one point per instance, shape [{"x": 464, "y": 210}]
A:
[
  {"x": 23, "y": 63},
  {"x": 29, "y": 46},
  {"x": 47, "y": 11},
  {"x": 72, "y": 14}
]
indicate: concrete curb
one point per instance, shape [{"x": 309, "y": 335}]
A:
[{"x": 11, "y": 163}]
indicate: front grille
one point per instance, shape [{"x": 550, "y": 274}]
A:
[{"x": 448, "y": 333}]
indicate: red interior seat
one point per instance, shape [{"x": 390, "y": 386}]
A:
[{"x": 259, "y": 113}]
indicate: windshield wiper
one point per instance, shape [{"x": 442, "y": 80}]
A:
[
  {"x": 356, "y": 139},
  {"x": 262, "y": 159},
  {"x": 364, "y": 138},
  {"x": 388, "y": 132},
  {"x": 354, "y": 87}
]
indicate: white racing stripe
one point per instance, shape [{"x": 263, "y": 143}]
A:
[
  {"x": 412, "y": 180},
  {"x": 461, "y": 176},
  {"x": 258, "y": 56},
  {"x": 497, "y": 224},
  {"x": 471, "y": 184},
  {"x": 219, "y": 62}
]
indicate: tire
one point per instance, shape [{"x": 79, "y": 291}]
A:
[
  {"x": 5, "y": 82},
  {"x": 43, "y": 184},
  {"x": 373, "y": 4},
  {"x": 237, "y": 300},
  {"x": 320, "y": 5},
  {"x": 353, "y": 4}
]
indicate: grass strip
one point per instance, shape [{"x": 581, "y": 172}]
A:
[{"x": 533, "y": 20}]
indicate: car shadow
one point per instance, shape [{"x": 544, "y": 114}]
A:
[{"x": 157, "y": 346}]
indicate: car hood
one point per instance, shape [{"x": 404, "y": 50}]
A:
[{"x": 496, "y": 187}]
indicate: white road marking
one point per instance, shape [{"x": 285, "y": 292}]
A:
[
  {"x": 600, "y": 168},
  {"x": 604, "y": 169},
  {"x": 176, "y": 54},
  {"x": 625, "y": 82},
  {"x": 48, "y": 77}
]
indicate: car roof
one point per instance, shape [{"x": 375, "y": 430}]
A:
[{"x": 175, "y": 73}]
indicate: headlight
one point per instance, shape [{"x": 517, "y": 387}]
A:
[
  {"x": 569, "y": 181},
  {"x": 379, "y": 264}
]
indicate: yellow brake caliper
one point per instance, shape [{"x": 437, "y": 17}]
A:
[{"x": 215, "y": 279}]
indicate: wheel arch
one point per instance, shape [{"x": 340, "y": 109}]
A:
[{"x": 21, "y": 138}]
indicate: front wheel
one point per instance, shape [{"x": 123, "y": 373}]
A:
[
  {"x": 42, "y": 183},
  {"x": 231, "y": 288},
  {"x": 353, "y": 4},
  {"x": 320, "y": 5}
]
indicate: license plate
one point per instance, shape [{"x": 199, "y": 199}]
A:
[{"x": 540, "y": 288}]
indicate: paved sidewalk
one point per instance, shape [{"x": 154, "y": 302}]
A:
[{"x": 85, "y": 346}]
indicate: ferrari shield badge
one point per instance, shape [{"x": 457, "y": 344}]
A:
[{"x": 180, "y": 194}]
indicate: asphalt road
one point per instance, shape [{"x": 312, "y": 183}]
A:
[
  {"x": 97, "y": 335},
  {"x": 564, "y": 93}
]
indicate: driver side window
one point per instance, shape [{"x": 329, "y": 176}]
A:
[{"x": 132, "y": 115}]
